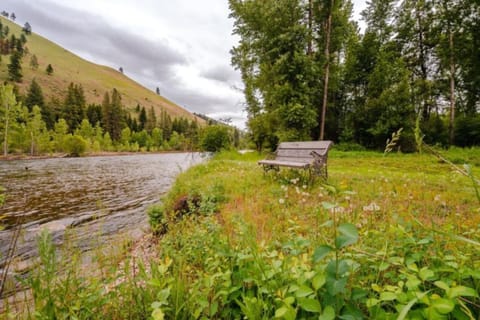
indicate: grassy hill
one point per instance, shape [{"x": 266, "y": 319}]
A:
[{"x": 95, "y": 79}]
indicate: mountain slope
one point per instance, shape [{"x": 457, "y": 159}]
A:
[{"x": 95, "y": 79}]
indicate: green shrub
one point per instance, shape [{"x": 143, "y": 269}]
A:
[
  {"x": 215, "y": 138},
  {"x": 157, "y": 219},
  {"x": 75, "y": 146},
  {"x": 467, "y": 131}
]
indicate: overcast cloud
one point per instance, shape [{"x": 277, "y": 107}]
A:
[{"x": 180, "y": 46}]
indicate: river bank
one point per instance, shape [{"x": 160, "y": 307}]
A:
[{"x": 13, "y": 157}]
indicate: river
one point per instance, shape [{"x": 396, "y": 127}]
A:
[{"x": 93, "y": 198}]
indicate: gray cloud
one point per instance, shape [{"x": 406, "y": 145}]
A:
[
  {"x": 91, "y": 34},
  {"x": 222, "y": 73}
]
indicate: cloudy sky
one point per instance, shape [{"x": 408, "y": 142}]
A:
[{"x": 180, "y": 46}]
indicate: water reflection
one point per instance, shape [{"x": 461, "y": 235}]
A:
[{"x": 101, "y": 195}]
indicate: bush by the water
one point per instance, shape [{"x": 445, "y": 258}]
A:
[
  {"x": 75, "y": 145},
  {"x": 215, "y": 138}
]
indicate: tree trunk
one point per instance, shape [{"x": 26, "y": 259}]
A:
[
  {"x": 327, "y": 70},
  {"x": 32, "y": 144},
  {"x": 5, "y": 139},
  {"x": 452, "y": 91},
  {"x": 310, "y": 28}
]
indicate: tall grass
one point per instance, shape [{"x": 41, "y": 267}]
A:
[{"x": 387, "y": 238}]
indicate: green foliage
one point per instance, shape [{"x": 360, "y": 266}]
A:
[
  {"x": 75, "y": 145},
  {"x": 49, "y": 69},
  {"x": 467, "y": 131},
  {"x": 15, "y": 67},
  {"x": 215, "y": 138}
]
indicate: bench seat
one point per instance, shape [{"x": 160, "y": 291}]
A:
[{"x": 300, "y": 165}]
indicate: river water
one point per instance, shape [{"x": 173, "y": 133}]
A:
[{"x": 91, "y": 198}]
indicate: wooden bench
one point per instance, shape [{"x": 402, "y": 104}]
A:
[{"x": 308, "y": 155}]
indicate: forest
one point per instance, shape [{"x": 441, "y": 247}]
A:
[{"x": 310, "y": 71}]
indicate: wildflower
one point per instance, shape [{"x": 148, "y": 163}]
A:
[
  {"x": 372, "y": 207},
  {"x": 304, "y": 186},
  {"x": 437, "y": 198},
  {"x": 281, "y": 201},
  {"x": 337, "y": 210}
]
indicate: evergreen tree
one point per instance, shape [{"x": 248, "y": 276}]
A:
[
  {"x": 142, "y": 119},
  {"x": 113, "y": 117},
  {"x": 34, "y": 62},
  {"x": 151, "y": 120},
  {"x": 94, "y": 114},
  {"x": 49, "y": 69},
  {"x": 34, "y": 96},
  {"x": 74, "y": 106},
  {"x": 27, "y": 28},
  {"x": 117, "y": 117},
  {"x": 15, "y": 67}
]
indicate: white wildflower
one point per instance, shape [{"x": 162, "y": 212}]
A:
[{"x": 372, "y": 207}]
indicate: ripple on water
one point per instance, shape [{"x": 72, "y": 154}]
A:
[{"x": 103, "y": 195}]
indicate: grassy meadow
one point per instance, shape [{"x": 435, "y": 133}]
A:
[{"x": 386, "y": 237}]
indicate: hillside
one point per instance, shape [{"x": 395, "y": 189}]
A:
[{"x": 95, "y": 79}]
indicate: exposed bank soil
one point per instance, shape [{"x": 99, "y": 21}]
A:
[{"x": 12, "y": 157}]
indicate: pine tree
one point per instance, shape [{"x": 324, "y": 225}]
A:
[
  {"x": 34, "y": 62},
  {"x": 15, "y": 67},
  {"x": 151, "y": 120},
  {"x": 142, "y": 119},
  {"x": 27, "y": 28},
  {"x": 49, "y": 69},
  {"x": 34, "y": 96},
  {"x": 74, "y": 106}
]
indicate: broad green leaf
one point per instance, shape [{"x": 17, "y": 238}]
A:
[
  {"x": 349, "y": 235},
  {"x": 461, "y": 291},
  {"x": 303, "y": 291},
  {"x": 327, "y": 314},
  {"x": 337, "y": 268},
  {"x": 310, "y": 305},
  {"x": 426, "y": 274},
  {"x": 281, "y": 312},
  {"x": 286, "y": 313},
  {"x": 335, "y": 287},
  {"x": 441, "y": 285},
  {"x": 403, "y": 314},
  {"x": 388, "y": 296},
  {"x": 321, "y": 252},
  {"x": 319, "y": 281},
  {"x": 289, "y": 300},
  {"x": 443, "y": 306},
  {"x": 372, "y": 302}
]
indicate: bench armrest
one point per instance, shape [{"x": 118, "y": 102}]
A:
[{"x": 319, "y": 158}]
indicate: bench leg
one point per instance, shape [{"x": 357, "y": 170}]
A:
[{"x": 268, "y": 167}]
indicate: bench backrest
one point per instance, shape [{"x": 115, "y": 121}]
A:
[{"x": 300, "y": 151}]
